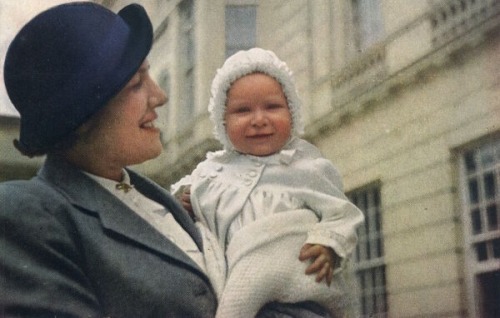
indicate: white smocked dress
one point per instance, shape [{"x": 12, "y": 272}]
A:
[{"x": 259, "y": 212}]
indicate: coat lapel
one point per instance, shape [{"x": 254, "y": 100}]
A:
[
  {"x": 160, "y": 195},
  {"x": 85, "y": 193}
]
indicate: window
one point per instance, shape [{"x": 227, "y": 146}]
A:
[
  {"x": 480, "y": 177},
  {"x": 187, "y": 62},
  {"x": 368, "y": 23},
  {"x": 240, "y": 28},
  {"x": 369, "y": 265}
]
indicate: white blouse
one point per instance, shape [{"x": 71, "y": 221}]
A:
[{"x": 155, "y": 214}]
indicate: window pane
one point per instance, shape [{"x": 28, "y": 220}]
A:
[
  {"x": 476, "y": 221},
  {"x": 496, "y": 248},
  {"x": 481, "y": 252},
  {"x": 368, "y": 250},
  {"x": 488, "y": 156},
  {"x": 186, "y": 64},
  {"x": 497, "y": 150},
  {"x": 380, "y": 248},
  {"x": 490, "y": 288},
  {"x": 377, "y": 221},
  {"x": 492, "y": 215},
  {"x": 368, "y": 22},
  {"x": 473, "y": 191},
  {"x": 470, "y": 165},
  {"x": 364, "y": 306},
  {"x": 240, "y": 28},
  {"x": 489, "y": 185}
]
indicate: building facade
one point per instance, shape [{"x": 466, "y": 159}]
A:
[
  {"x": 13, "y": 165},
  {"x": 402, "y": 96}
]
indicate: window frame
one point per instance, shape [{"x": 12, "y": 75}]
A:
[
  {"x": 231, "y": 47},
  {"x": 365, "y": 263},
  {"x": 363, "y": 40},
  {"x": 187, "y": 63},
  {"x": 475, "y": 268}
]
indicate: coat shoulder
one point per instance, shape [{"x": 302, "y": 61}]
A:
[{"x": 32, "y": 192}]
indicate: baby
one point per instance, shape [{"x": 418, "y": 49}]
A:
[{"x": 270, "y": 207}]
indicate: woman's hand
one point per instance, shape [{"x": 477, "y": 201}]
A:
[{"x": 323, "y": 261}]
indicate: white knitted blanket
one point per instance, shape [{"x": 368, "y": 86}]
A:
[{"x": 263, "y": 266}]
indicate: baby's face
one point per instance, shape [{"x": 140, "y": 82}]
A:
[{"x": 258, "y": 121}]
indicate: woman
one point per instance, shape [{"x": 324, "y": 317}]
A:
[{"x": 76, "y": 240}]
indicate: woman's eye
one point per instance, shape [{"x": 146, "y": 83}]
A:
[
  {"x": 137, "y": 85},
  {"x": 135, "y": 82}
]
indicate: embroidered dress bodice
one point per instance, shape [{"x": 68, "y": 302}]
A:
[{"x": 262, "y": 201}]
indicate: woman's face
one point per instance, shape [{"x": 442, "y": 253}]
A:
[
  {"x": 258, "y": 121},
  {"x": 123, "y": 132}
]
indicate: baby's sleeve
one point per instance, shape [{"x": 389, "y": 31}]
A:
[
  {"x": 178, "y": 187},
  {"x": 339, "y": 218},
  {"x": 188, "y": 180}
]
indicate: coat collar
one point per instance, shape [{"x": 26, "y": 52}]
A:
[{"x": 85, "y": 193}]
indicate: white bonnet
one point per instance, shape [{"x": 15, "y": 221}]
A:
[{"x": 243, "y": 63}]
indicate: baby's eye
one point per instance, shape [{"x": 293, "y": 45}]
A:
[
  {"x": 275, "y": 106},
  {"x": 241, "y": 109}
]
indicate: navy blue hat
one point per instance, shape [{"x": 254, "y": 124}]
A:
[{"x": 67, "y": 63}]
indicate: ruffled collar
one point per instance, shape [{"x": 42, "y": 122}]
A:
[{"x": 284, "y": 156}]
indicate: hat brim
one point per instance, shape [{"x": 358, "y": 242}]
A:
[{"x": 138, "y": 46}]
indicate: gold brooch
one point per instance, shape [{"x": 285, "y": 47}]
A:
[{"x": 124, "y": 187}]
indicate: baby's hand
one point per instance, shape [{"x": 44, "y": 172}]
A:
[
  {"x": 185, "y": 199},
  {"x": 323, "y": 261}
]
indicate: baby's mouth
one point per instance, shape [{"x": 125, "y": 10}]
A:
[{"x": 259, "y": 136}]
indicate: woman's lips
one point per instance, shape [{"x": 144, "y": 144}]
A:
[{"x": 149, "y": 124}]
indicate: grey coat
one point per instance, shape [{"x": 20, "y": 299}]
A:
[{"x": 69, "y": 248}]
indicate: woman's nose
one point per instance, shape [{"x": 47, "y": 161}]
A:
[{"x": 158, "y": 96}]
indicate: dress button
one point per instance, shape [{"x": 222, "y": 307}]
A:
[
  {"x": 248, "y": 182},
  {"x": 218, "y": 168},
  {"x": 213, "y": 174},
  {"x": 252, "y": 174}
]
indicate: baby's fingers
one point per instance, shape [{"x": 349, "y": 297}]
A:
[
  {"x": 325, "y": 273},
  {"x": 317, "y": 265},
  {"x": 329, "y": 276}
]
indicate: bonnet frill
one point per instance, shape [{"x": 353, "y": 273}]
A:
[{"x": 255, "y": 60}]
